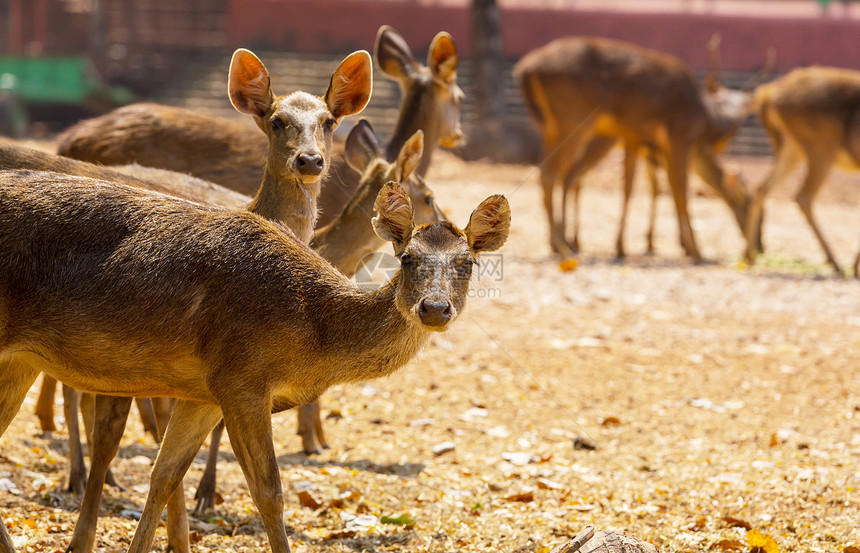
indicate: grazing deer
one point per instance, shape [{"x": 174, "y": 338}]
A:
[
  {"x": 584, "y": 89},
  {"x": 114, "y": 290},
  {"x": 430, "y": 102},
  {"x": 811, "y": 114}
]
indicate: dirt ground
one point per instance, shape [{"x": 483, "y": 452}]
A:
[{"x": 720, "y": 399}]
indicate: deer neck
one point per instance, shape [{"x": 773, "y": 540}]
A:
[
  {"x": 350, "y": 237},
  {"x": 288, "y": 201},
  {"x": 368, "y": 325},
  {"x": 416, "y": 113}
]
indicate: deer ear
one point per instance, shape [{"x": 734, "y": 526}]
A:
[
  {"x": 409, "y": 156},
  {"x": 442, "y": 58},
  {"x": 393, "y": 221},
  {"x": 489, "y": 225},
  {"x": 249, "y": 87},
  {"x": 361, "y": 146},
  {"x": 350, "y": 86},
  {"x": 393, "y": 55}
]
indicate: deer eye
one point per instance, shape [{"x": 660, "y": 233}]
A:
[
  {"x": 278, "y": 124},
  {"x": 329, "y": 124},
  {"x": 406, "y": 259}
]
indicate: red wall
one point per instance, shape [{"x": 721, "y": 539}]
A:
[{"x": 339, "y": 26}]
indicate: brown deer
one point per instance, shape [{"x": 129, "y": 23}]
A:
[
  {"x": 430, "y": 102},
  {"x": 583, "y": 89},
  {"x": 811, "y": 114},
  {"x": 181, "y": 140},
  {"x": 240, "y": 318}
]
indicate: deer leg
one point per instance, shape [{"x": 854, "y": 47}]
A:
[
  {"x": 651, "y": 166},
  {"x": 190, "y": 423},
  {"x": 310, "y": 428},
  {"x": 205, "y": 494},
  {"x": 786, "y": 159},
  {"x": 676, "y": 169},
  {"x": 45, "y": 404},
  {"x": 15, "y": 379},
  {"x": 88, "y": 413},
  {"x": 631, "y": 153},
  {"x": 556, "y": 240},
  {"x": 819, "y": 168},
  {"x": 857, "y": 265},
  {"x": 147, "y": 416},
  {"x": 252, "y": 445},
  {"x": 596, "y": 150},
  {"x": 318, "y": 425},
  {"x": 178, "y": 539},
  {"x": 77, "y": 467},
  {"x": 110, "y": 416}
]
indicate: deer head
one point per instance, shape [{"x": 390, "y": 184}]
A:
[
  {"x": 436, "y": 260},
  {"x": 299, "y": 126},
  {"x": 430, "y": 93}
]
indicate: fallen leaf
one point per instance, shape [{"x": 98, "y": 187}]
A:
[
  {"x": 584, "y": 442},
  {"x": 610, "y": 421},
  {"x": 736, "y": 523},
  {"x": 546, "y": 484},
  {"x": 340, "y": 535},
  {"x": 444, "y": 447},
  {"x": 851, "y": 549},
  {"x": 525, "y": 497},
  {"x": 728, "y": 545},
  {"x": 308, "y": 501},
  {"x": 761, "y": 543},
  {"x": 568, "y": 265}
]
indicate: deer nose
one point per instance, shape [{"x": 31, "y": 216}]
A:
[
  {"x": 310, "y": 164},
  {"x": 434, "y": 313}
]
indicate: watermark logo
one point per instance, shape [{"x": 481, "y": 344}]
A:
[{"x": 375, "y": 269}]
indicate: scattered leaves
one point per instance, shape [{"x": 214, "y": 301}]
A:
[
  {"x": 761, "y": 543},
  {"x": 568, "y": 265},
  {"x": 402, "y": 520},
  {"x": 733, "y": 522},
  {"x": 308, "y": 501},
  {"x": 524, "y": 497}
]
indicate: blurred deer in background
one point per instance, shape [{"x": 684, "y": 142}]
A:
[
  {"x": 171, "y": 272},
  {"x": 588, "y": 93},
  {"x": 811, "y": 115}
]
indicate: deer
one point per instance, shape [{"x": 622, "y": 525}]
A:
[
  {"x": 116, "y": 290},
  {"x": 811, "y": 115},
  {"x": 588, "y": 93},
  {"x": 431, "y": 100}
]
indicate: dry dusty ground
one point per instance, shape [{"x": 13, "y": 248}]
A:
[{"x": 718, "y": 398}]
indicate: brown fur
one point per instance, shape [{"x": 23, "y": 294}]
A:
[
  {"x": 239, "y": 316},
  {"x": 588, "y": 93},
  {"x": 813, "y": 115}
]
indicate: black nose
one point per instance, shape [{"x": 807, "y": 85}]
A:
[
  {"x": 310, "y": 164},
  {"x": 434, "y": 313}
]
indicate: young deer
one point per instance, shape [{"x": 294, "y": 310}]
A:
[
  {"x": 240, "y": 318},
  {"x": 811, "y": 114},
  {"x": 585, "y": 89},
  {"x": 343, "y": 243},
  {"x": 430, "y": 102}
]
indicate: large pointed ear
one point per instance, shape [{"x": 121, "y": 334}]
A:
[
  {"x": 350, "y": 86},
  {"x": 489, "y": 225},
  {"x": 393, "y": 55},
  {"x": 393, "y": 221},
  {"x": 442, "y": 58},
  {"x": 248, "y": 86},
  {"x": 409, "y": 156},
  {"x": 361, "y": 146}
]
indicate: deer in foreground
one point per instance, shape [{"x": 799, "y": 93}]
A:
[
  {"x": 811, "y": 114},
  {"x": 584, "y": 89},
  {"x": 240, "y": 318}
]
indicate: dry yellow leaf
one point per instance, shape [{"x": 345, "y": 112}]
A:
[
  {"x": 761, "y": 543},
  {"x": 568, "y": 265}
]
